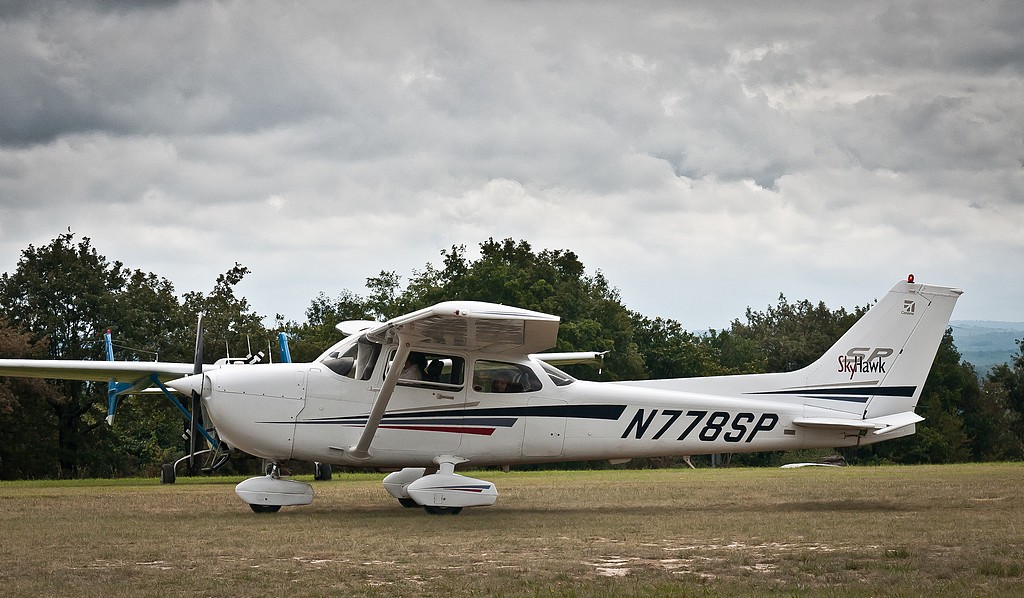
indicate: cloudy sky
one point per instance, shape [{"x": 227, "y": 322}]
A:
[{"x": 703, "y": 156}]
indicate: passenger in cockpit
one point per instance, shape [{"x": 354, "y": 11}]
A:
[
  {"x": 434, "y": 371},
  {"x": 414, "y": 365}
]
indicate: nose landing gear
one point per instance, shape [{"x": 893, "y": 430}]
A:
[{"x": 267, "y": 494}]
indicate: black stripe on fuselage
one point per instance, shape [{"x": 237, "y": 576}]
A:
[
  {"x": 854, "y": 395},
  {"x": 607, "y": 412}
]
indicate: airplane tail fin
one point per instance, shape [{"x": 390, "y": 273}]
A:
[
  {"x": 879, "y": 367},
  {"x": 870, "y": 379}
]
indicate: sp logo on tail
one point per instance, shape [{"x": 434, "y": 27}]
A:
[{"x": 864, "y": 360}]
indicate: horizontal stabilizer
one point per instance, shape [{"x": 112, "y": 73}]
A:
[
  {"x": 833, "y": 423},
  {"x": 896, "y": 421},
  {"x": 877, "y": 425}
]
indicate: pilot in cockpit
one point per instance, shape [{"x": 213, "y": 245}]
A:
[{"x": 502, "y": 383}]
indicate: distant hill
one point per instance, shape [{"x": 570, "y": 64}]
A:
[{"x": 986, "y": 344}]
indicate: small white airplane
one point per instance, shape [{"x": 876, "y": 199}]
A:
[{"x": 462, "y": 383}]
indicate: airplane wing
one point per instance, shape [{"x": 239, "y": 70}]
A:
[
  {"x": 473, "y": 326},
  {"x": 350, "y": 327},
  {"x": 467, "y": 325},
  {"x": 95, "y": 371},
  {"x": 124, "y": 377}
]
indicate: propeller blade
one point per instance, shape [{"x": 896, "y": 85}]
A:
[
  {"x": 197, "y": 363},
  {"x": 194, "y": 440}
]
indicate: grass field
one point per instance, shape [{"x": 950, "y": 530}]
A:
[{"x": 858, "y": 531}]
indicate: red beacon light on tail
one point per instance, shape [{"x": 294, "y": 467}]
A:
[{"x": 910, "y": 279}]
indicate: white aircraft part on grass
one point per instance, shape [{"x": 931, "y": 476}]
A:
[{"x": 462, "y": 382}]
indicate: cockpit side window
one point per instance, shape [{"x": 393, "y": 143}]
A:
[
  {"x": 502, "y": 377},
  {"x": 432, "y": 370},
  {"x": 342, "y": 365}
]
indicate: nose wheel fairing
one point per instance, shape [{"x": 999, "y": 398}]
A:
[{"x": 268, "y": 493}]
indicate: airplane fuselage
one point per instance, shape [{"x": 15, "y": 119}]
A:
[{"x": 310, "y": 412}]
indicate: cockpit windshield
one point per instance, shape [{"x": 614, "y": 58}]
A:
[{"x": 352, "y": 359}]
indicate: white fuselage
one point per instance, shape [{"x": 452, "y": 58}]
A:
[{"x": 310, "y": 412}]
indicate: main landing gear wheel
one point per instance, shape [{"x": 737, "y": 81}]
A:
[
  {"x": 442, "y": 510},
  {"x": 265, "y": 508},
  {"x": 442, "y": 493},
  {"x": 322, "y": 472},
  {"x": 167, "y": 473}
]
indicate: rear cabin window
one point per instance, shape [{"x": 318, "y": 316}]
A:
[{"x": 502, "y": 377}]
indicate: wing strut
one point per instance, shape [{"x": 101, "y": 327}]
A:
[{"x": 361, "y": 450}]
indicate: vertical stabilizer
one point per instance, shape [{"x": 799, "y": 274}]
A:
[
  {"x": 877, "y": 369},
  {"x": 880, "y": 365}
]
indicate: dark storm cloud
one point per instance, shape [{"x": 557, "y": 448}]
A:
[{"x": 690, "y": 138}]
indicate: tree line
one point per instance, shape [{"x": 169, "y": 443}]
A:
[{"x": 63, "y": 296}]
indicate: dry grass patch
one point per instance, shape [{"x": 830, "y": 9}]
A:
[{"x": 944, "y": 530}]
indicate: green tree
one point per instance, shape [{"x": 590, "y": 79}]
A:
[
  {"x": 793, "y": 335},
  {"x": 669, "y": 351},
  {"x": 231, "y": 327},
  {"x": 386, "y": 299},
  {"x": 991, "y": 422},
  {"x": 736, "y": 353},
  {"x": 64, "y": 296},
  {"x": 1003, "y": 394},
  {"x": 308, "y": 340},
  {"x": 62, "y": 293},
  {"x": 28, "y": 431}
]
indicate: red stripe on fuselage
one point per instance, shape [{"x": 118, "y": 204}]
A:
[{"x": 449, "y": 429}]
